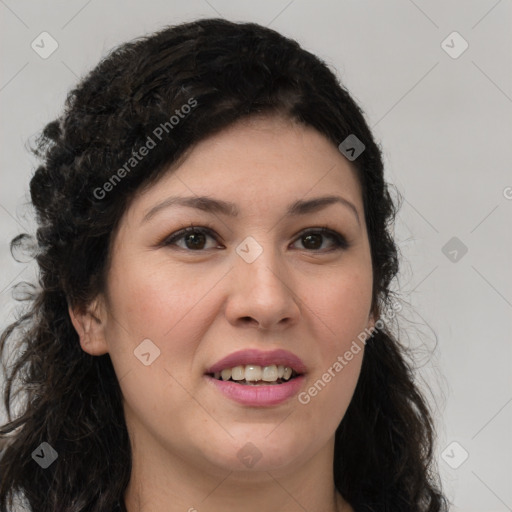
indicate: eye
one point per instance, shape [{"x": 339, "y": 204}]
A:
[
  {"x": 193, "y": 236},
  {"x": 313, "y": 238},
  {"x": 194, "y": 239}
]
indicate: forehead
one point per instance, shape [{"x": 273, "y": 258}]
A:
[{"x": 259, "y": 161}]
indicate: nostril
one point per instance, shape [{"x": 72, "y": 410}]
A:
[{"x": 249, "y": 320}]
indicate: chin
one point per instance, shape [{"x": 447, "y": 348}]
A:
[{"x": 256, "y": 448}]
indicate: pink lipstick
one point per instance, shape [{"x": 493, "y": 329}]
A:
[{"x": 255, "y": 379}]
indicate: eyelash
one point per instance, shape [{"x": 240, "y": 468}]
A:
[{"x": 339, "y": 241}]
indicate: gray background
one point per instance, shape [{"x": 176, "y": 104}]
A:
[{"x": 445, "y": 127}]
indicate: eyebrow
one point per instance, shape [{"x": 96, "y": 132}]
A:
[{"x": 207, "y": 204}]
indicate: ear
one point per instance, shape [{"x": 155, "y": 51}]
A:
[{"x": 90, "y": 327}]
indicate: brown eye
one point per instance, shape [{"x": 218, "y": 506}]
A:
[
  {"x": 194, "y": 238},
  {"x": 313, "y": 239}
]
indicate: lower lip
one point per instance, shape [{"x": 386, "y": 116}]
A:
[{"x": 260, "y": 395}]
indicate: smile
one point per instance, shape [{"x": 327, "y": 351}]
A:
[
  {"x": 258, "y": 378},
  {"x": 255, "y": 375}
]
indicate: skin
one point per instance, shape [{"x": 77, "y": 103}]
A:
[{"x": 199, "y": 305}]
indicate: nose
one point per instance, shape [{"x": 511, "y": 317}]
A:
[{"x": 262, "y": 293}]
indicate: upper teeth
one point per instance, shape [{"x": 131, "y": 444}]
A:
[{"x": 252, "y": 372}]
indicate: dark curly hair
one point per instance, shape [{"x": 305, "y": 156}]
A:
[{"x": 383, "y": 458}]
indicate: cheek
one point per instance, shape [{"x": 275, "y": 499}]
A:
[
  {"x": 154, "y": 296},
  {"x": 170, "y": 308},
  {"x": 168, "y": 305},
  {"x": 340, "y": 309},
  {"x": 341, "y": 305},
  {"x": 324, "y": 401}
]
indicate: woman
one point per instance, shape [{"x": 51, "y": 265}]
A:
[{"x": 211, "y": 329}]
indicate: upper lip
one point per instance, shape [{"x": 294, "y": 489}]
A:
[{"x": 259, "y": 358}]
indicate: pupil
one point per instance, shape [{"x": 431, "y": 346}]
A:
[
  {"x": 194, "y": 236},
  {"x": 309, "y": 237}
]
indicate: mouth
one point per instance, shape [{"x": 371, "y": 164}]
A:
[
  {"x": 256, "y": 375},
  {"x": 258, "y": 378}
]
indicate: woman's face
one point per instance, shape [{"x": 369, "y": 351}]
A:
[{"x": 262, "y": 280}]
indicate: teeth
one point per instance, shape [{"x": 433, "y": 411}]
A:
[
  {"x": 252, "y": 373},
  {"x": 225, "y": 374},
  {"x": 269, "y": 373},
  {"x": 238, "y": 373}
]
